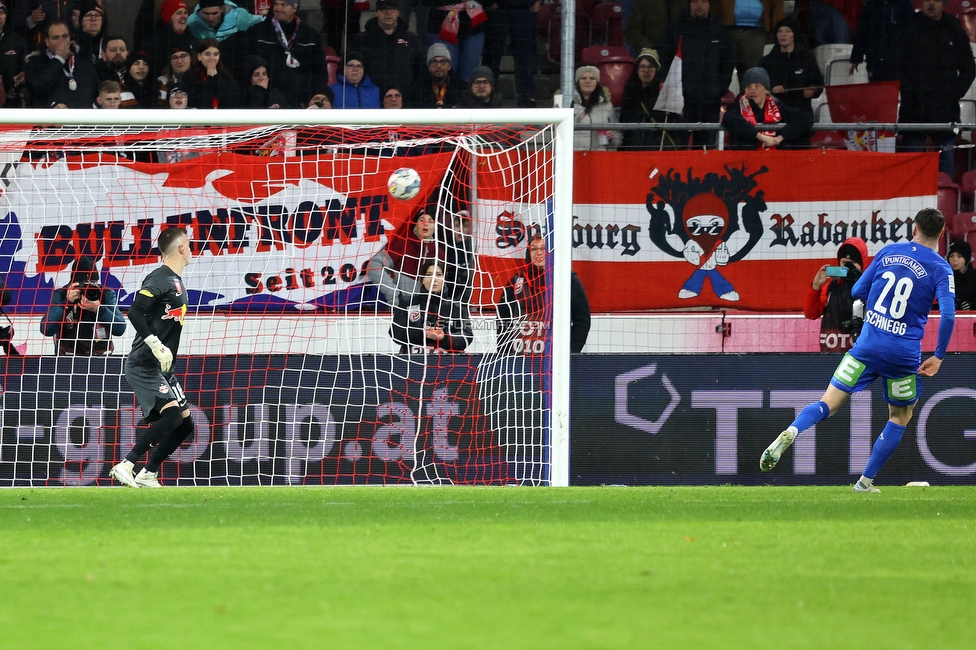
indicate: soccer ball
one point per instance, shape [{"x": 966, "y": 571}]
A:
[{"x": 404, "y": 184}]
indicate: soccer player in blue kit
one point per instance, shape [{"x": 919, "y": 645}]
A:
[{"x": 897, "y": 290}]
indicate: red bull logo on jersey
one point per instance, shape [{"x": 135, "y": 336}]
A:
[{"x": 174, "y": 313}]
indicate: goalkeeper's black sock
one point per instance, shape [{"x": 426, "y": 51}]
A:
[
  {"x": 169, "y": 444},
  {"x": 168, "y": 420}
]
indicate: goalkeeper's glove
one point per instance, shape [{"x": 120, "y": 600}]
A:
[{"x": 161, "y": 352}]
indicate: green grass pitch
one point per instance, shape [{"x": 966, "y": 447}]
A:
[{"x": 479, "y": 568}]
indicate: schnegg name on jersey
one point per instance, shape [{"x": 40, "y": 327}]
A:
[{"x": 886, "y": 324}]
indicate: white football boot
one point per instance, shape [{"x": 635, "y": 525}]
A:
[
  {"x": 123, "y": 474},
  {"x": 147, "y": 479},
  {"x": 774, "y": 451}
]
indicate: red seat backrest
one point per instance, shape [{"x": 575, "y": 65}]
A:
[
  {"x": 616, "y": 66},
  {"x": 948, "y": 202},
  {"x": 968, "y": 20},
  {"x": 332, "y": 60}
]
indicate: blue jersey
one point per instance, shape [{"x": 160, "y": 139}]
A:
[{"x": 898, "y": 289}]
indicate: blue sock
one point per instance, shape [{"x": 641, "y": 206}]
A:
[
  {"x": 884, "y": 447},
  {"x": 812, "y": 414}
]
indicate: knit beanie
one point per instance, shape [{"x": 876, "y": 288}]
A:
[
  {"x": 169, "y": 8},
  {"x": 756, "y": 76}
]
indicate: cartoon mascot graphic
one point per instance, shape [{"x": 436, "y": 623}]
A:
[{"x": 706, "y": 227}]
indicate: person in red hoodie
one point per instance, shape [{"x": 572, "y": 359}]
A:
[
  {"x": 395, "y": 270},
  {"x": 829, "y": 298}
]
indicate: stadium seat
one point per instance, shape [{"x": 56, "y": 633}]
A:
[
  {"x": 821, "y": 111},
  {"x": 826, "y": 54},
  {"x": 553, "y": 31},
  {"x": 607, "y": 24},
  {"x": 957, "y": 7},
  {"x": 547, "y": 11},
  {"x": 968, "y": 185},
  {"x": 827, "y": 140},
  {"x": 963, "y": 228},
  {"x": 950, "y": 196},
  {"x": 333, "y": 61},
  {"x": 839, "y": 74},
  {"x": 615, "y": 64},
  {"x": 968, "y": 20}
]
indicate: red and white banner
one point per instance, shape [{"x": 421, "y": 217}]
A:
[
  {"x": 741, "y": 230},
  {"x": 267, "y": 232},
  {"x": 745, "y": 230}
]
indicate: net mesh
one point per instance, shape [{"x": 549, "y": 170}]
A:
[{"x": 335, "y": 334}]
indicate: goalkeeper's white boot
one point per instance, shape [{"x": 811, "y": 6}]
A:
[
  {"x": 147, "y": 479},
  {"x": 123, "y": 474},
  {"x": 774, "y": 451}
]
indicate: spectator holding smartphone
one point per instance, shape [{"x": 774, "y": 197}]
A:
[{"x": 829, "y": 297}]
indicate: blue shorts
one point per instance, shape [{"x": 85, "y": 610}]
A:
[{"x": 902, "y": 383}]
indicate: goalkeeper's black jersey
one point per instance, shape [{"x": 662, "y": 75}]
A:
[{"x": 158, "y": 308}]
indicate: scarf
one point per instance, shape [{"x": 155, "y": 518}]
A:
[
  {"x": 771, "y": 114},
  {"x": 451, "y": 24}
]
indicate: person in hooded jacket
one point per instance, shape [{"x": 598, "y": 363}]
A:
[
  {"x": 481, "y": 91},
  {"x": 793, "y": 71},
  {"x": 829, "y": 298},
  {"x": 209, "y": 83},
  {"x": 171, "y": 36},
  {"x": 748, "y": 119},
  {"x": 354, "y": 88},
  {"x": 637, "y": 107},
  {"x": 524, "y": 312},
  {"x": 395, "y": 269},
  {"x": 260, "y": 93},
  {"x": 429, "y": 320},
  {"x": 960, "y": 258},
  {"x": 394, "y": 54}
]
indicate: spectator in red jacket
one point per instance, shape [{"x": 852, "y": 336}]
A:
[{"x": 829, "y": 298}]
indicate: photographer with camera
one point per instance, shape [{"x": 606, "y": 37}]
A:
[
  {"x": 829, "y": 297},
  {"x": 83, "y": 316}
]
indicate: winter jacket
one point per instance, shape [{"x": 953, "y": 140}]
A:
[
  {"x": 468, "y": 100},
  {"x": 637, "y": 107},
  {"x": 833, "y": 304},
  {"x": 936, "y": 67},
  {"x": 796, "y": 69},
  {"x": 706, "y": 54},
  {"x": 365, "y": 95},
  {"x": 396, "y": 58},
  {"x": 965, "y": 288},
  {"x": 81, "y": 332},
  {"x": 13, "y": 51},
  {"x": 427, "y": 309},
  {"x": 742, "y": 134},
  {"x": 47, "y": 81},
  {"x": 306, "y": 49},
  {"x": 271, "y": 97},
  {"x": 218, "y": 91},
  {"x": 647, "y": 21},
  {"x": 423, "y": 95},
  {"x": 877, "y": 40},
  {"x": 235, "y": 20},
  {"x": 601, "y": 113}
]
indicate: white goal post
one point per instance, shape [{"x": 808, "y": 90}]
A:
[{"x": 504, "y": 142}]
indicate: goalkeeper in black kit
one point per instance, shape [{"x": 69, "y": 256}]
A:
[{"x": 157, "y": 316}]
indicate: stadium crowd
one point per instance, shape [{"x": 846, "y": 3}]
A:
[{"x": 364, "y": 54}]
